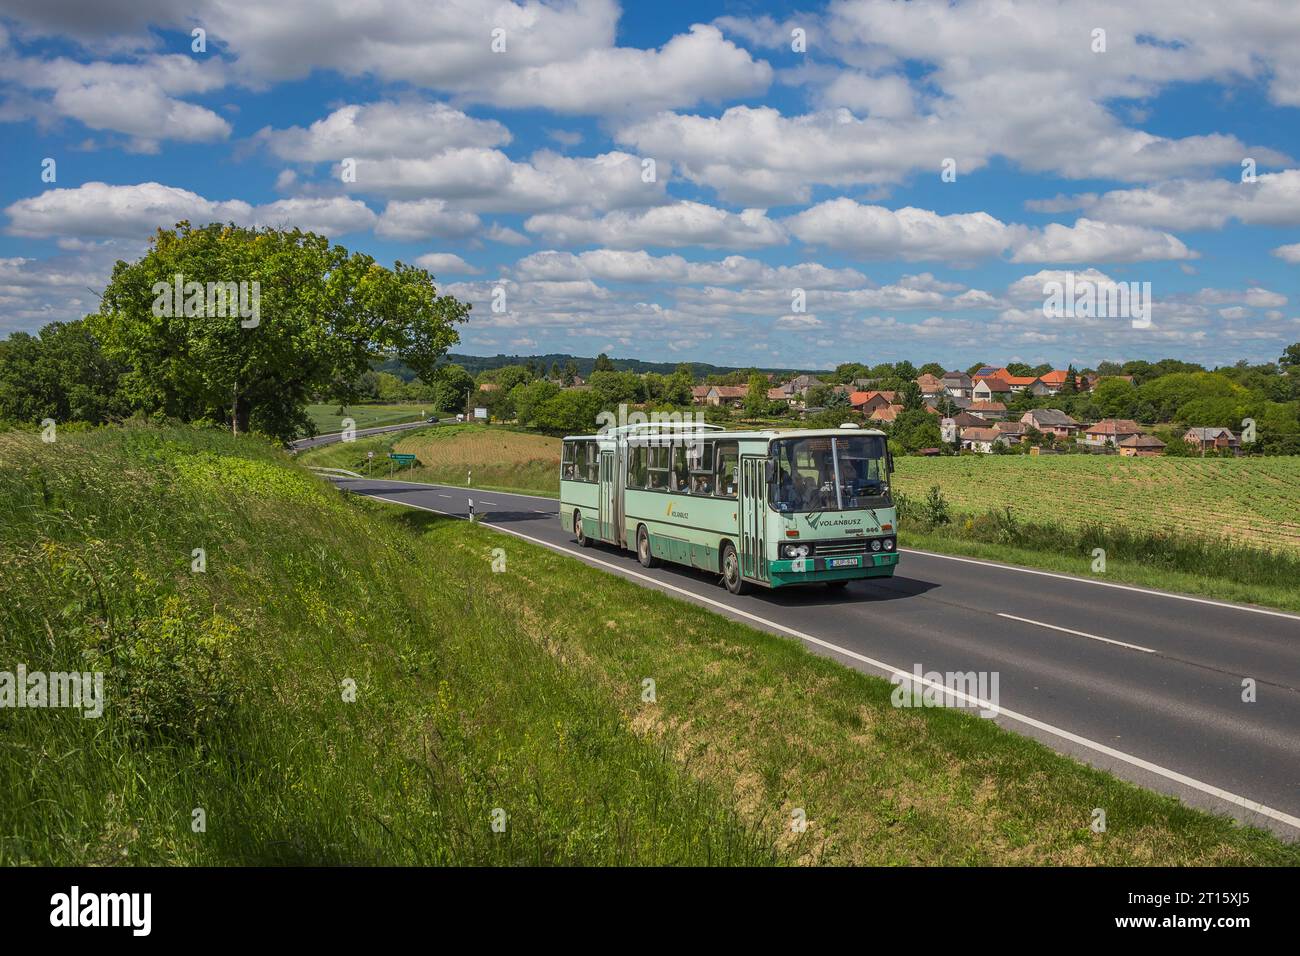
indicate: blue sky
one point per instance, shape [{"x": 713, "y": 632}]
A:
[{"x": 775, "y": 170}]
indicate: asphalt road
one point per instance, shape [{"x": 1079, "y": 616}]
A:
[
  {"x": 1146, "y": 684},
  {"x": 303, "y": 443}
]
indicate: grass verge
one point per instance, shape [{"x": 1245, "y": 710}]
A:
[{"x": 522, "y": 691}]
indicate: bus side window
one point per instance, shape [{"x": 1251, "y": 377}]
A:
[
  {"x": 593, "y": 461},
  {"x": 566, "y": 465},
  {"x": 679, "y": 467},
  {"x": 727, "y": 455},
  {"x": 658, "y": 470},
  {"x": 636, "y": 466}
]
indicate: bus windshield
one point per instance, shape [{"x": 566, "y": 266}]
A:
[{"x": 830, "y": 473}]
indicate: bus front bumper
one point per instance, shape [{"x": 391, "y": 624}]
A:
[{"x": 804, "y": 570}]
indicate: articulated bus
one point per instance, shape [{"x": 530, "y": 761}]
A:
[{"x": 767, "y": 508}]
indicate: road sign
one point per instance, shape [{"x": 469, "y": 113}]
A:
[{"x": 402, "y": 459}]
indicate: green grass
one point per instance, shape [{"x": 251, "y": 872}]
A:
[
  {"x": 328, "y": 419},
  {"x": 475, "y": 690}
]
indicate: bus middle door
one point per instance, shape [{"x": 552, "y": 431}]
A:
[{"x": 608, "y": 496}]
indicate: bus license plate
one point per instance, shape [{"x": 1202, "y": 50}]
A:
[{"x": 842, "y": 563}]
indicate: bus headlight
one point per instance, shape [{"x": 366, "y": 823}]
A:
[
  {"x": 875, "y": 545},
  {"x": 795, "y": 550},
  {"x": 889, "y": 544}
]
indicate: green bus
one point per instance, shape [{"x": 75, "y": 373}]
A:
[{"x": 767, "y": 508}]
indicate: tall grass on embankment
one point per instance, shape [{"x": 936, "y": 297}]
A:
[{"x": 521, "y": 690}]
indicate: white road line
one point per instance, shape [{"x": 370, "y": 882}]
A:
[
  {"x": 440, "y": 496},
  {"x": 486, "y": 502},
  {"x": 1025, "y": 620},
  {"x": 535, "y": 511},
  {"x": 429, "y": 484},
  {"x": 1105, "y": 584},
  {"x": 1173, "y": 775}
]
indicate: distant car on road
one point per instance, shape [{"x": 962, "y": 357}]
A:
[
  {"x": 460, "y": 418},
  {"x": 431, "y": 420}
]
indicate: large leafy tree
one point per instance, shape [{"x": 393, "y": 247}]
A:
[{"x": 324, "y": 314}]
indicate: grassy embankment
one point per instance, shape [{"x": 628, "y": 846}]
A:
[
  {"x": 475, "y": 690},
  {"x": 1224, "y": 528}
]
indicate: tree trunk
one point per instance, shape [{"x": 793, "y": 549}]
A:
[{"x": 240, "y": 409}]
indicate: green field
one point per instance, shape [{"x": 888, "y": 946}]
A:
[
  {"x": 1250, "y": 500},
  {"x": 328, "y": 419},
  {"x": 521, "y": 691}
]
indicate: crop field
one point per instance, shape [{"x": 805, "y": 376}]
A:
[
  {"x": 502, "y": 459},
  {"x": 328, "y": 420},
  {"x": 1251, "y": 500}
]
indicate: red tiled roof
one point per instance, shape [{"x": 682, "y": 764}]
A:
[{"x": 1115, "y": 426}]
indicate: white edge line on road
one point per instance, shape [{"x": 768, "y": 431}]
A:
[
  {"x": 1108, "y": 640},
  {"x": 1105, "y": 584},
  {"x": 1190, "y": 782},
  {"x": 427, "y": 484}
]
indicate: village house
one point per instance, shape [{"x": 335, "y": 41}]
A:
[
  {"x": 993, "y": 411},
  {"x": 1016, "y": 383},
  {"x": 991, "y": 390},
  {"x": 967, "y": 420},
  {"x": 1213, "y": 439},
  {"x": 957, "y": 384},
  {"x": 1051, "y": 421},
  {"x": 930, "y": 386},
  {"x": 868, "y": 402},
  {"x": 717, "y": 395},
  {"x": 1055, "y": 380},
  {"x": 887, "y": 414},
  {"x": 1013, "y": 432},
  {"x": 1110, "y": 431},
  {"x": 982, "y": 440},
  {"x": 1141, "y": 446}
]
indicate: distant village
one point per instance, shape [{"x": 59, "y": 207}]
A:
[
  {"x": 1137, "y": 409},
  {"x": 974, "y": 407}
]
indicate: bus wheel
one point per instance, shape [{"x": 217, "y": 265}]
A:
[
  {"x": 731, "y": 571},
  {"x": 583, "y": 540},
  {"x": 643, "y": 552}
]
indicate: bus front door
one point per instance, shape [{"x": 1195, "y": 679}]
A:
[{"x": 753, "y": 524}]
